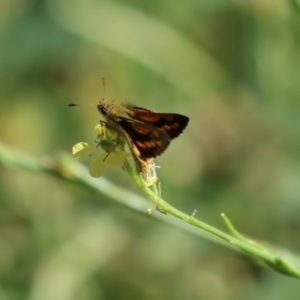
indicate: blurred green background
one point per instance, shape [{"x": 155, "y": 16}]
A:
[{"x": 233, "y": 67}]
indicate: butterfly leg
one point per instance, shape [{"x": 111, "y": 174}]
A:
[
  {"x": 113, "y": 148},
  {"x": 103, "y": 125}
]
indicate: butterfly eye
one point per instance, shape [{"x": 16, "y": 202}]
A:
[{"x": 102, "y": 109}]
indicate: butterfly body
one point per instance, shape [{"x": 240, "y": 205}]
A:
[{"x": 147, "y": 133}]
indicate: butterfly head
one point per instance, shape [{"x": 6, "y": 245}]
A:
[{"x": 106, "y": 108}]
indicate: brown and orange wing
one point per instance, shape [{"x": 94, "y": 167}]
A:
[
  {"x": 172, "y": 124},
  {"x": 144, "y": 140}
]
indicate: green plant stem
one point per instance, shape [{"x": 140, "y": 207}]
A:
[
  {"x": 247, "y": 246},
  {"x": 66, "y": 168}
]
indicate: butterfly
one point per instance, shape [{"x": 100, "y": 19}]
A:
[{"x": 147, "y": 133}]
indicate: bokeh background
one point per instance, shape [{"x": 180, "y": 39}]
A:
[{"x": 233, "y": 67}]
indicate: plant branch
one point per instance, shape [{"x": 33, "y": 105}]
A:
[{"x": 67, "y": 168}]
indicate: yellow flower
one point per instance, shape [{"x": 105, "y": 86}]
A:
[
  {"x": 81, "y": 151},
  {"x": 110, "y": 154}
]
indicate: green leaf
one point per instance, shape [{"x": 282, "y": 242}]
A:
[
  {"x": 116, "y": 159},
  {"x": 97, "y": 166}
]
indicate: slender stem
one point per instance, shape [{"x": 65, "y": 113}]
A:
[
  {"x": 66, "y": 168},
  {"x": 236, "y": 239}
]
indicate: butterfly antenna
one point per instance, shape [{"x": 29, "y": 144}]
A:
[
  {"x": 104, "y": 87},
  {"x": 91, "y": 104},
  {"x": 88, "y": 104}
]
